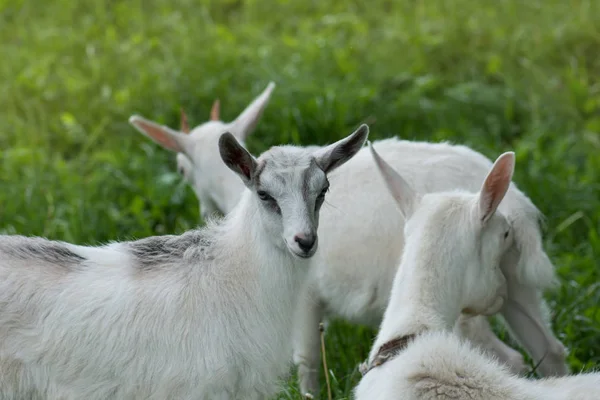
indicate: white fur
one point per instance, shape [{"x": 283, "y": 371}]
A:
[
  {"x": 217, "y": 188},
  {"x": 450, "y": 265},
  {"x": 203, "y": 315},
  {"x": 362, "y": 241},
  {"x": 360, "y": 249},
  {"x": 439, "y": 365},
  {"x": 454, "y": 242},
  {"x": 440, "y": 276}
]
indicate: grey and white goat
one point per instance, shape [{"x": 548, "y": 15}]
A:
[{"x": 203, "y": 315}]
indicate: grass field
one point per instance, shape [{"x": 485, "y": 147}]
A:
[{"x": 498, "y": 76}]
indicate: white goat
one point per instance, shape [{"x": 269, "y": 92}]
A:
[
  {"x": 217, "y": 188},
  {"x": 204, "y": 315},
  {"x": 341, "y": 285},
  {"x": 352, "y": 274},
  {"x": 451, "y": 263},
  {"x": 438, "y": 365}
]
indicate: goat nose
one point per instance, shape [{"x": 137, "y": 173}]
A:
[{"x": 305, "y": 241}]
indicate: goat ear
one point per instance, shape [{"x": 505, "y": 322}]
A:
[
  {"x": 403, "y": 193},
  {"x": 245, "y": 123},
  {"x": 183, "y": 126},
  {"x": 237, "y": 158},
  {"x": 336, "y": 154},
  {"x": 496, "y": 185},
  {"x": 163, "y": 135},
  {"x": 215, "y": 110}
]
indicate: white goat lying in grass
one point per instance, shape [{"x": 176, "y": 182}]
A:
[
  {"x": 357, "y": 261},
  {"x": 204, "y": 315},
  {"x": 451, "y": 264}
]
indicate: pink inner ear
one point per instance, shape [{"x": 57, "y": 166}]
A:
[
  {"x": 487, "y": 202},
  {"x": 159, "y": 135},
  {"x": 215, "y": 110},
  {"x": 496, "y": 185}
]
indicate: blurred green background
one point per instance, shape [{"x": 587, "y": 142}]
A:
[{"x": 497, "y": 76}]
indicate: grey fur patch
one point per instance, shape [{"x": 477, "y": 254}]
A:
[
  {"x": 306, "y": 177},
  {"x": 31, "y": 249},
  {"x": 158, "y": 251},
  {"x": 259, "y": 170}
]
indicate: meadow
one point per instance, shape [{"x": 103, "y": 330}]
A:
[{"x": 497, "y": 76}]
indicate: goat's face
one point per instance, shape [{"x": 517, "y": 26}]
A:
[
  {"x": 446, "y": 235},
  {"x": 289, "y": 185},
  {"x": 198, "y": 159},
  {"x": 456, "y": 240},
  {"x": 290, "y": 188}
]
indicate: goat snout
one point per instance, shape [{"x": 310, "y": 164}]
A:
[{"x": 306, "y": 241}]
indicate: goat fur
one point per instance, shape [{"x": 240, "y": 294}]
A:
[
  {"x": 362, "y": 241},
  {"x": 202, "y": 315},
  {"x": 450, "y": 264},
  {"x": 440, "y": 365},
  {"x": 353, "y": 283}
]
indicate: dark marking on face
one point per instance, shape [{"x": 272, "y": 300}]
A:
[
  {"x": 306, "y": 174},
  {"x": 259, "y": 170},
  {"x": 305, "y": 186},
  {"x": 40, "y": 249},
  {"x": 321, "y": 196},
  {"x": 273, "y": 206},
  {"x": 268, "y": 201},
  {"x": 156, "y": 252}
]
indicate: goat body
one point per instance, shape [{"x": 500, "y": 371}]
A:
[
  {"x": 360, "y": 250},
  {"x": 441, "y": 366},
  {"x": 203, "y": 315},
  {"x": 191, "y": 316},
  {"x": 450, "y": 264},
  {"x": 362, "y": 241}
]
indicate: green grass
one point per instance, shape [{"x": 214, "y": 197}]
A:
[{"x": 498, "y": 76}]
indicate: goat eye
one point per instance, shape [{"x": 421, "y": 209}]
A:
[
  {"x": 324, "y": 191},
  {"x": 264, "y": 196},
  {"x": 506, "y": 234},
  {"x": 180, "y": 170}
]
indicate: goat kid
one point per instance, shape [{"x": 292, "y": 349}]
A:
[
  {"x": 452, "y": 240},
  {"x": 340, "y": 286},
  {"x": 203, "y": 315},
  {"x": 453, "y": 244},
  {"x": 216, "y": 187}
]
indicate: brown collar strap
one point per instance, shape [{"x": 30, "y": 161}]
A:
[{"x": 386, "y": 352}]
